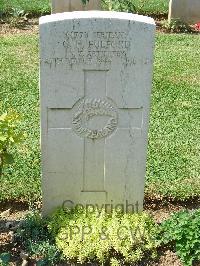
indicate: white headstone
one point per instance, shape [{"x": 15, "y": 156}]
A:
[
  {"x": 95, "y": 85},
  {"x": 59, "y": 6},
  {"x": 186, "y": 10}
]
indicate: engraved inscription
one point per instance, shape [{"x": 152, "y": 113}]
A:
[
  {"x": 95, "y": 108},
  {"x": 102, "y": 47},
  {"x": 97, "y": 41},
  {"x": 99, "y": 47}
]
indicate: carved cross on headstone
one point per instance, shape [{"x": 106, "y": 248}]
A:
[{"x": 94, "y": 118}]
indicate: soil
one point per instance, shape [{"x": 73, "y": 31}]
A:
[
  {"x": 18, "y": 26},
  {"x": 162, "y": 208},
  {"x": 10, "y": 26}
]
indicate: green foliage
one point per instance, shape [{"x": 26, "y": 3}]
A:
[
  {"x": 4, "y": 259},
  {"x": 80, "y": 235},
  {"x": 16, "y": 17},
  {"x": 19, "y": 91},
  {"x": 9, "y": 137},
  {"x": 33, "y": 7},
  {"x": 173, "y": 165},
  {"x": 183, "y": 231},
  {"x": 137, "y": 6},
  {"x": 122, "y": 6},
  {"x": 176, "y": 25},
  {"x": 112, "y": 238},
  {"x": 85, "y": 1},
  {"x": 37, "y": 240},
  {"x": 38, "y": 7},
  {"x": 17, "y": 13}
]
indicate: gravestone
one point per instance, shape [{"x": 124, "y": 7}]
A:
[
  {"x": 186, "y": 10},
  {"x": 95, "y": 87},
  {"x": 59, "y": 6}
]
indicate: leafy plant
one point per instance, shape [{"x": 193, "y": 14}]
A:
[
  {"x": 16, "y": 17},
  {"x": 4, "y": 259},
  {"x": 176, "y": 25},
  {"x": 17, "y": 13},
  {"x": 36, "y": 239},
  {"x": 85, "y": 1},
  {"x": 106, "y": 238},
  {"x": 33, "y": 7},
  {"x": 9, "y": 137},
  {"x": 182, "y": 230},
  {"x": 126, "y": 5}
]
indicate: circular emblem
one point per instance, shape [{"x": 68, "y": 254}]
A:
[{"x": 88, "y": 110}]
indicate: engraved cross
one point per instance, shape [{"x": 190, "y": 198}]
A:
[{"x": 95, "y": 119}]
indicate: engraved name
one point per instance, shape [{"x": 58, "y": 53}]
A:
[
  {"x": 93, "y": 48},
  {"x": 96, "y": 41}
]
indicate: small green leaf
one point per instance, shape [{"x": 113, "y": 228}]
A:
[
  {"x": 85, "y": 1},
  {"x": 2, "y": 138},
  {"x": 3, "y": 117},
  {"x": 18, "y": 138},
  {"x": 40, "y": 263},
  {"x": 11, "y": 139},
  {"x": 4, "y": 258},
  {"x": 8, "y": 158}
]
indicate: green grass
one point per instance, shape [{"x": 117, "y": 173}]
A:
[
  {"x": 38, "y": 7},
  {"x": 152, "y": 6},
  {"x": 173, "y": 167},
  {"x": 19, "y": 92},
  {"x": 33, "y": 7},
  {"x": 147, "y": 7},
  {"x": 174, "y": 146}
]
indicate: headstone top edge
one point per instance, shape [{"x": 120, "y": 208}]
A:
[{"x": 96, "y": 15}]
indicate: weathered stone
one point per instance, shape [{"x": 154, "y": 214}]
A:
[
  {"x": 59, "y": 6},
  {"x": 95, "y": 86},
  {"x": 186, "y": 10}
]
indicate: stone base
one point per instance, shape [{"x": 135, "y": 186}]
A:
[
  {"x": 186, "y": 10},
  {"x": 59, "y": 6}
]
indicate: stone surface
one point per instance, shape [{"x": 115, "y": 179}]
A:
[
  {"x": 59, "y": 6},
  {"x": 95, "y": 86},
  {"x": 185, "y": 10}
]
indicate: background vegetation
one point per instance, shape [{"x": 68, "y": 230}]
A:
[
  {"x": 19, "y": 92},
  {"x": 173, "y": 167},
  {"x": 33, "y": 7},
  {"x": 38, "y": 7}
]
